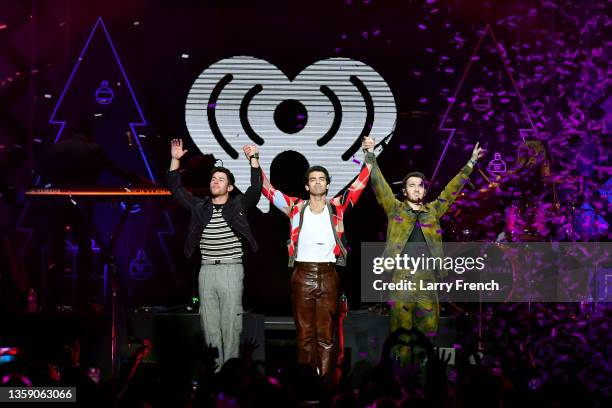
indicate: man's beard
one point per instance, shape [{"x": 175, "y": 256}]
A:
[
  {"x": 217, "y": 192},
  {"x": 318, "y": 193},
  {"x": 417, "y": 201}
]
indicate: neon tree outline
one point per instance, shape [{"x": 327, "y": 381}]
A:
[
  {"x": 142, "y": 121},
  {"x": 170, "y": 229},
  {"x": 522, "y": 132}
]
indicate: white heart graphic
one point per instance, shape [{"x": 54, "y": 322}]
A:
[{"x": 261, "y": 87}]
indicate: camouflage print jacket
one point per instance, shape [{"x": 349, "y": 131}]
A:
[{"x": 401, "y": 220}]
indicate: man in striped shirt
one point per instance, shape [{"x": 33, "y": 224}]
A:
[
  {"x": 219, "y": 225},
  {"x": 218, "y": 240}
]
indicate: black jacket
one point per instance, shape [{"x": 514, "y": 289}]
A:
[{"x": 234, "y": 211}]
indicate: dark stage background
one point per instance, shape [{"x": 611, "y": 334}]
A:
[{"x": 548, "y": 58}]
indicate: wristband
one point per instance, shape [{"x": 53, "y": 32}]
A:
[{"x": 254, "y": 156}]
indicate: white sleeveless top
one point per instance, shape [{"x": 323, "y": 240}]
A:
[{"x": 316, "y": 242}]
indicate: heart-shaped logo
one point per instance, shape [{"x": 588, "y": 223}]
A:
[{"x": 323, "y": 114}]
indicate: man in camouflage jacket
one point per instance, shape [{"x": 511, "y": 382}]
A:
[{"x": 411, "y": 222}]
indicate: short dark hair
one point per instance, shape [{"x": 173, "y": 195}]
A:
[
  {"x": 414, "y": 174},
  {"x": 317, "y": 168},
  {"x": 230, "y": 177}
]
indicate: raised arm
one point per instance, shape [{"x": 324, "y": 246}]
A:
[
  {"x": 454, "y": 187},
  {"x": 384, "y": 195},
  {"x": 279, "y": 199},
  {"x": 253, "y": 193},
  {"x": 173, "y": 177},
  {"x": 349, "y": 198}
]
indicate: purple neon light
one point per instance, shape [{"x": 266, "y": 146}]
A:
[
  {"x": 29, "y": 231},
  {"x": 522, "y": 132},
  {"x": 160, "y": 236},
  {"x": 142, "y": 122}
]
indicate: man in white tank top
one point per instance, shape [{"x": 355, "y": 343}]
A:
[{"x": 315, "y": 248}]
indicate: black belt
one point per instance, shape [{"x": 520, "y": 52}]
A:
[{"x": 221, "y": 261}]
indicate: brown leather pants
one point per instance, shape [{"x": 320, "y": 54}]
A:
[{"x": 314, "y": 293}]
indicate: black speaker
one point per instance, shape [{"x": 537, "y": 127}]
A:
[
  {"x": 177, "y": 338},
  {"x": 365, "y": 334}
]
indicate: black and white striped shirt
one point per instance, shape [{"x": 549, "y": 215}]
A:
[{"x": 218, "y": 240}]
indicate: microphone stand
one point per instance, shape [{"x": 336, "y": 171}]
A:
[{"x": 111, "y": 268}]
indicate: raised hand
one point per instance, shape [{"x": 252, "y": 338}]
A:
[
  {"x": 478, "y": 152},
  {"x": 176, "y": 150},
  {"x": 247, "y": 348},
  {"x": 247, "y": 150},
  {"x": 74, "y": 351},
  {"x": 436, "y": 378},
  {"x": 209, "y": 357},
  {"x": 250, "y": 150},
  {"x": 368, "y": 144}
]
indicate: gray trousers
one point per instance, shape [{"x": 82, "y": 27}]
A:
[{"x": 220, "y": 288}]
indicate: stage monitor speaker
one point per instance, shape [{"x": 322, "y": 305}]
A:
[
  {"x": 365, "y": 334},
  {"x": 177, "y": 338}
]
